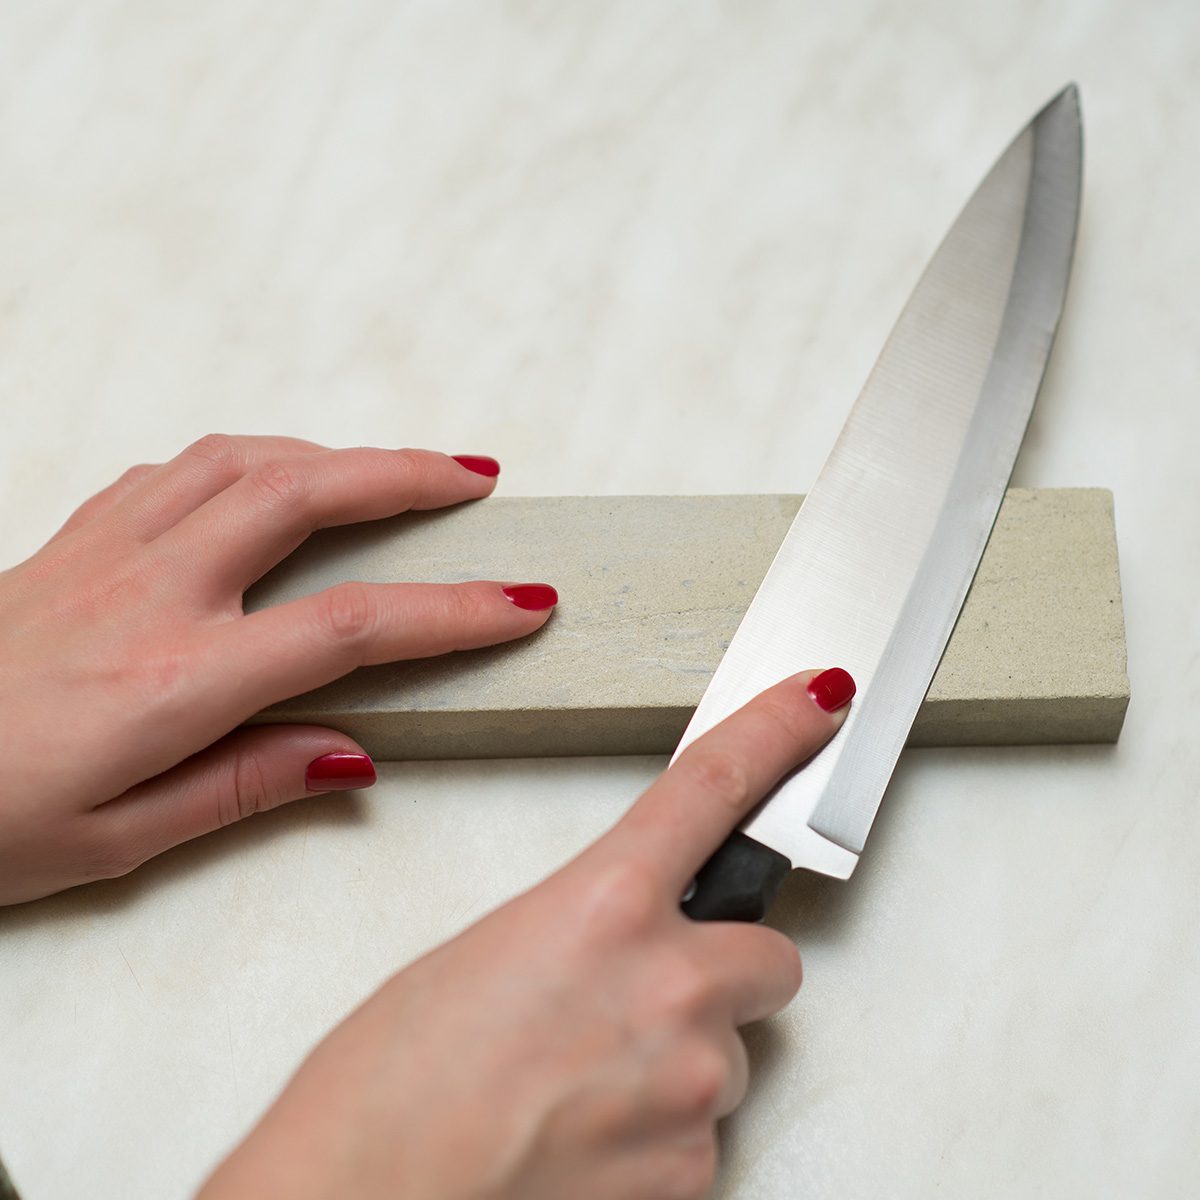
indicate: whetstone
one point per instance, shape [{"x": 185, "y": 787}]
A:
[{"x": 651, "y": 591}]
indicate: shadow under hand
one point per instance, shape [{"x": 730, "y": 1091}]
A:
[
  {"x": 816, "y": 911},
  {"x": 810, "y": 910},
  {"x": 813, "y": 908},
  {"x": 246, "y": 838}
]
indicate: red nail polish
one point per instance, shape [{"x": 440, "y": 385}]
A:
[
  {"x": 339, "y": 772},
  {"x": 535, "y": 596},
  {"x": 479, "y": 463},
  {"x": 832, "y": 689}
]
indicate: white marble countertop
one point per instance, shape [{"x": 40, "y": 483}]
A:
[{"x": 633, "y": 247}]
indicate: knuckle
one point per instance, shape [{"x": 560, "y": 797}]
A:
[
  {"x": 684, "y": 992},
  {"x": 785, "y": 719},
  {"x": 620, "y": 903},
  {"x": 102, "y": 855},
  {"x": 414, "y": 464},
  {"x": 162, "y": 675},
  {"x": 347, "y": 614},
  {"x": 249, "y": 789},
  {"x": 721, "y": 776},
  {"x": 217, "y": 451},
  {"x": 278, "y": 485},
  {"x": 466, "y": 608},
  {"x": 611, "y": 1116},
  {"x": 703, "y": 1077},
  {"x": 134, "y": 475}
]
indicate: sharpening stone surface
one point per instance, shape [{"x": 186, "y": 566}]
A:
[{"x": 651, "y": 591}]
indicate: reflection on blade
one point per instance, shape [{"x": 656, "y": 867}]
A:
[{"x": 874, "y": 570}]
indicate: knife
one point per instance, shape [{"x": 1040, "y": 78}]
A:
[{"x": 874, "y": 570}]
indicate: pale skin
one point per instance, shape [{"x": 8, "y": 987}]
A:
[{"x": 582, "y": 1039}]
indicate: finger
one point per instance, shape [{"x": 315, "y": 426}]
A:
[
  {"x": 695, "y": 1081},
  {"x": 264, "y": 516},
  {"x": 102, "y": 501},
  {"x": 758, "y": 968},
  {"x": 250, "y": 771},
  {"x": 207, "y": 467},
  {"x": 738, "y": 1081},
  {"x": 719, "y": 779},
  {"x": 292, "y": 648}
]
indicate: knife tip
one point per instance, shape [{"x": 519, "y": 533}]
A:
[{"x": 1068, "y": 95}]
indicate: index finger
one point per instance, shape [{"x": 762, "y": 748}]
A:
[
  {"x": 719, "y": 779},
  {"x": 161, "y": 498},
  {"x": 252, "y": 525}
]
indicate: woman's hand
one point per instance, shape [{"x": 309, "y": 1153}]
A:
[
  {"x": 579, "y": 1042},
  {"x": 126, "y": 660}
]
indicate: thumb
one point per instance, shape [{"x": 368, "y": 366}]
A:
[{"x": 246, "y": 772}]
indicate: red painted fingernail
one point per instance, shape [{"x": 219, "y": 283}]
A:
[
  {"x": 535, "y": 596},
  {"x": 479, "y": 463},
  {"x": 832, "y": 689},
  {"x": 339, "y": 772}
]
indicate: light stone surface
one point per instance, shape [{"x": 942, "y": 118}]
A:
[
  {"x": 653, "y": 589},
  {"x": 647, "y": 246}
]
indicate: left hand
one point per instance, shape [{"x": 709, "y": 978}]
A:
[{"x": 126, "y": 660}]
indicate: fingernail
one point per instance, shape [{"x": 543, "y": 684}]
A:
[
  {"x": 535, "y": 596},
  {"x": 832, "y": 689},
  {"x": 479, "y": 463},
  {"x": 339, "y": 772}
]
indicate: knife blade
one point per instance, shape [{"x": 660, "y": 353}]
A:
[{"x": 876, "y": 566}]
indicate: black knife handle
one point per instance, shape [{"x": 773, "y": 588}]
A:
[{"x": 738, "y": 883}]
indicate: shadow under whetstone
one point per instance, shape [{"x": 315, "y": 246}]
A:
[{"x": 371, "y": 551}]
